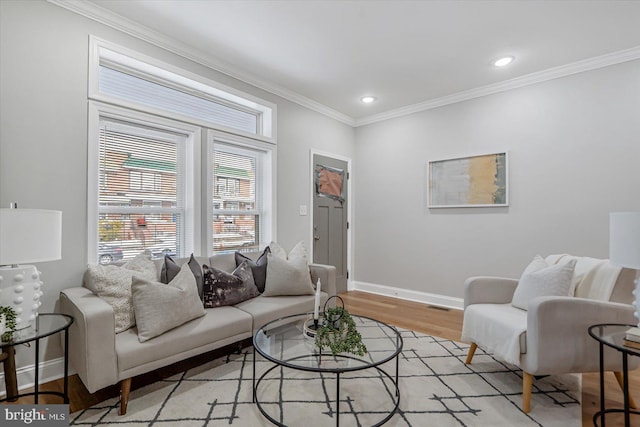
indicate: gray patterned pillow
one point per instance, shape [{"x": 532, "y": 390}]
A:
[{"x": 221, "y": 288}]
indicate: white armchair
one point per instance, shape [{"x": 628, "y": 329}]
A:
[{"x": 550, "y": 337}]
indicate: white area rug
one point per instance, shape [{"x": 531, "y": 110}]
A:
[{"x": 436, "y": 389}]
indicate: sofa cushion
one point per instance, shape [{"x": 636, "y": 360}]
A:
[
  {"x": 265, "y": 309},
  {"x": 160, "y": 307},
  {"x": 112, "y": 283},
  {"x": 500, "y": 329},
  {"x": 224, "y": 325},
  {"x": 540, "y": 279},
  {"x": 287, "y": 277},
  {"x": 227, "y": 261},
  {"x": 222, "y": 288},
  {"x": 258, "y": 267}
]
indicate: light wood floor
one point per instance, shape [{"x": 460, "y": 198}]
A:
[{"x": 405, "y": 314}]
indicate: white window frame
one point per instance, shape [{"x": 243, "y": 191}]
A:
[
  {"x": 198, "y": 206},
  {"x": 192, "y": 174},
  {"x": 102, "y": 51},
  {"x": 265, "y": 179}
]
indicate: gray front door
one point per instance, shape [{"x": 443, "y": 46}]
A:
[{"x": 330, "y": 215}]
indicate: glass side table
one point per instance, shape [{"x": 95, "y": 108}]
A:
[
  {"x": 612, "y": 335},
  {"x": 45, "y": 325}
]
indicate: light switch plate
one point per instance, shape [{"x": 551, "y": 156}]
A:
[{"x": 303, "y": 210}]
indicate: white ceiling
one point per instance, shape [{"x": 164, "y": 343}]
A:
[{"x": 403, "y": 52}]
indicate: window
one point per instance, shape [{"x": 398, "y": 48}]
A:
[
  {"x": 238, "y": 180},
  {"x": 145, "y": 181},
  {"x": 127, "y": 78},
  {"x": 153, "y": 185},
  {"x": 142, "y": 196},
  {"x": 160, "y": 95}
]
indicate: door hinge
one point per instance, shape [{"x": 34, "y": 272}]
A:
[
  {"x": 347, "y": 274},
  {"x": 348, "y": 175},
  {"x": 347, "y": 225}
]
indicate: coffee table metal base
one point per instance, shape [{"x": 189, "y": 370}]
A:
[{"x": 256, "y": 384}]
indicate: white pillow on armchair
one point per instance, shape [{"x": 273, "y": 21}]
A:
[{"x": 540, "y": 279}]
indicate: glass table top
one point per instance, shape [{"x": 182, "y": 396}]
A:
[
  {"x": 613, "y": 336},
  {"x": 45, "y": 324},
  {"x": 284, "y": 342}
]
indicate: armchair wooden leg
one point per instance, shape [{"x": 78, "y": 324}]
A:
[
  {"x": 472, "y": 351},
  {"x": 620, "y": 379},
  {"x": 527, "y": 384},
  {"x": 125, "y": 388}
]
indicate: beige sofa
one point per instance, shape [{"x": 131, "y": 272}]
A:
[{"x": 102, "y": 358}]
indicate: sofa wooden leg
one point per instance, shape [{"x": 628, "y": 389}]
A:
[
  {"x": 472, "y": 351},
  {"x": 620, "y": 379},
  {"x": 527, "y": 384},
  {"x": 125, "y": 388}
]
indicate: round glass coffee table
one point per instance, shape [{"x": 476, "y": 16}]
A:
[{"x": 284, "y": 343}]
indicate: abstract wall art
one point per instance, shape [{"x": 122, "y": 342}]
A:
[{"x": 474, "y": 181}]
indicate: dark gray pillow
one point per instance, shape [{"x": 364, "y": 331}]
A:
[
  {"x": 222, "y": 288},
  {"x": 258, "y": 267},
  {"x": 170, "y": 269}
]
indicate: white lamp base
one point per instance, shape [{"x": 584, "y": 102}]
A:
[
  {"x": 636, "y": 301},
  {"x": 20, "y": 289}
]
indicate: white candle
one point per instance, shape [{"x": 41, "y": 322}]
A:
[{"x": 316, "y": 307}]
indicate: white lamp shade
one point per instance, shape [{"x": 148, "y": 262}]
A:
[
  {"x": 624, "y": 239},
  {"x": 30, "y": 235}
]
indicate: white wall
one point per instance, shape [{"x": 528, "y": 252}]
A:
[
  {"x": 574, "y": 152},
  {"x": 43, "y": 130}
]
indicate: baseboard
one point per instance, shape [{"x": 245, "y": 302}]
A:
[
  {"x": 50, "y": 370},
  {"x": 417, "y": 296}
]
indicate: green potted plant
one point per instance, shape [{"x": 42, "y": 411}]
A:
[
  {"x": 7, "y": 323},
  {"x": 338, "y": 332}
]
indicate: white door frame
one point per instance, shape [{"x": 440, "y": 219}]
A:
[{"x": 312, "y": 190}]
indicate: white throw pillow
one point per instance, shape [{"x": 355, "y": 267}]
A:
[
  {"x": 112, "y": 283},
  {"x": 161, "y": 307},
  {"x": 539, "y": 280},
  {"x": 287, "y": 277},
  {"x": 298, "y": 251}
]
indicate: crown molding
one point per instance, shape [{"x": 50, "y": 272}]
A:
[
  {"x": 528, "y": 79},
  {"x": 120, "y": 23}
]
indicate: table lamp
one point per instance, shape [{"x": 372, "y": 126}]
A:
[
  {"x": 26, "y": 235},
  {"x": 624, "y": 246}
]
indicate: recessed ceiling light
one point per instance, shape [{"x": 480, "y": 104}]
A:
[
  {"x": 368, "y": 99},
  {"x": 502, "y": 62}
]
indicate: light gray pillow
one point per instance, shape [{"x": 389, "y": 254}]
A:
[
  {"x": 113, "y": 284},
  {"x": 298, "y": 251},
  {"x": 287, "y": 277},
  {"x": 170, "y": 269},
  {"x": 540, "y": 280},
  {"x": 160, "y": 307}
]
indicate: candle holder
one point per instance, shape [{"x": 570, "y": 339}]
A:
[{"x": 310, "y": 326}]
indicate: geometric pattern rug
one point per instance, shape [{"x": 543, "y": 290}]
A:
[{"x": 436, "y": 389}]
